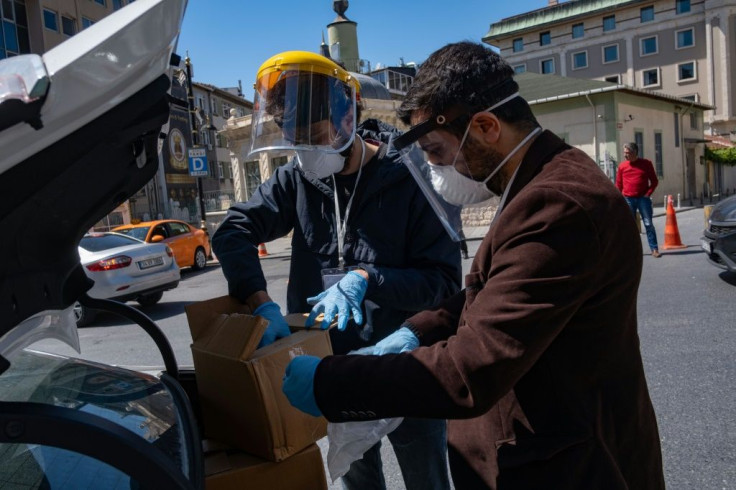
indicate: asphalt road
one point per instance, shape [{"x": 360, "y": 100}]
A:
[{"x": 686, "y": 326}]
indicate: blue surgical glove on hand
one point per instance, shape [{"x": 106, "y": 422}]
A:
[
  {"x": 340, "y": 299},
  {"x": 277, "y": 326},
  {"x": 299, "y": 384},
  {"x": 402, "y": 340}
]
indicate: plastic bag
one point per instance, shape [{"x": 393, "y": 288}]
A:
[{"x": 348, "y": 441}]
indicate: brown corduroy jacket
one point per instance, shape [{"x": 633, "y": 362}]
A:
[{"x": 536, "y": 364}]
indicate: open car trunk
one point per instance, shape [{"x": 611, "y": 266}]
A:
[{"x": 77, "y": 139}]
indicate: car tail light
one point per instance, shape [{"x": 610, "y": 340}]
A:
[
  {"x": 109, "y": 264},
  {"x": 169, "y": 252}
]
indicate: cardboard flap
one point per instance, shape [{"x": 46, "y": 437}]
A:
[
  {"x": 233, "y": 335},
  {"x": 202, "y": 314}
]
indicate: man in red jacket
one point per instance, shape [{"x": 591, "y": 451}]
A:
[{"x": 636, "y": 179}]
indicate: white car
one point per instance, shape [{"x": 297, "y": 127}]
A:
[{"x": 124, "y": 269}]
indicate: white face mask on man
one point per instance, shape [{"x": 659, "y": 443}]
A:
[
  {"x": 318, "y": 164},
  {"x": 459, "y": 189}
]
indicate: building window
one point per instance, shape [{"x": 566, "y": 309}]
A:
[
  {"x": 399, "y": 82},
  {"x": 614, "y": 79},
  {"x": 199, "y": 101},
  {"x": 579, "y": 60},
  {"x": 648, "y": 46},
  {"x": 101, "y": 2},
  {"x": 68, "y": 26},
  {"x": 225, "y": 170},
  {"x": 252, "y": 178},
  {"x": 650, "y": 78},
  {"x": 519, "y": 69},
  {"x": 610, "y": 53},
  {"x": 693, "y": 121},
  {"x": 86, "y": 22},
  {"x": 547, "y": 67},
  {"x": 647, "y": 14},
  {"x": 682, "y": 6},
  {"x": 277, "y": 162},
  {"x": 685, "y": 38},
  {"x": 226, "y": 110},
  {"x": 13, "y": 29},
  {"x": 578, "y": 30},
  {"x": 686, "y": 72},
  {"x": 658, "y": 166},
  {"x": 213, "y": 106},
  {"x": 609, "y": 23},
  {"x": 117, "y": 4},
  {"x": 545, "y": 38},
  {"x": 639, "y": 140},
  {"x": 518, "y": 45},
  {"x": 677, "y": 129},
  {"x": 50, "y": 20}
]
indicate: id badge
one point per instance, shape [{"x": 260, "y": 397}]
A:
[{"x": 332, "y": 276}]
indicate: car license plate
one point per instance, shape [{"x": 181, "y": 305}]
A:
[
  {"x": 706, "y": 245},
  {"x": 148, "y": 263}
]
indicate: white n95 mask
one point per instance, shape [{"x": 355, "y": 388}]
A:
[
  {"x": 319, "y": 164},
  {"x": 458, "y": 189},
  {"x": 455, "y": 188}
]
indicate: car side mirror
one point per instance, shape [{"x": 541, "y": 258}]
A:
[{"x": 157, "y": 238}]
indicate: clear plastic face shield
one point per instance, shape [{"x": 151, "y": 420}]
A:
[
  {"x": 434, "y": 157},
  {"x": 298, "y": 108},
  {"x": 416, "y": 160}
]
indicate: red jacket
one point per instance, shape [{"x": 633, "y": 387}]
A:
[
  {"x": 536, "y": 363},
  {"x": 636, "y": 178}
]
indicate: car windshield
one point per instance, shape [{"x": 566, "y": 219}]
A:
[
  {"x": 139, "y": 233},
  {"x": 96, "y": 243}
]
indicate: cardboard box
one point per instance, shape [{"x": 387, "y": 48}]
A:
[
  {"x": 226, "y": 469},
  {"x": 240, "y": 387}
]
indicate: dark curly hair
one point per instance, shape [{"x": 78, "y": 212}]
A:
[{"x": 468, "y": 76}]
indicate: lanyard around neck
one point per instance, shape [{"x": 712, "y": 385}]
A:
[{"x": 343, "y": 224}]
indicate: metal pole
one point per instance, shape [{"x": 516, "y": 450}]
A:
[{"x": 195, "y": 139}]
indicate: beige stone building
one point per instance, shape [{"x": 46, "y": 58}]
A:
[
  {"x": 214, "y": 106},
  {"x": 684, "y": 48},
  {"x": 680, "y": 48}
]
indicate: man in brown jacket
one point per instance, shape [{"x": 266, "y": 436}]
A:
[{"x": 536, "y": 364}]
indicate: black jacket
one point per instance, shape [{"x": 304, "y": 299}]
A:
[{"x": 392, "y": 233}]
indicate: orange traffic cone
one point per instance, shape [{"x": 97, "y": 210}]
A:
[
  {"x": 671, "y": 232},
  {"x": 262, "y": 252}
]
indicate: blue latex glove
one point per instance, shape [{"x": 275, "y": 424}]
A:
[
  {"x": 402, "y": 340},
  {"x": 340, "y": 299},
  {"x": 277, "y": 326},
  {"x": 299, "y": 384}
]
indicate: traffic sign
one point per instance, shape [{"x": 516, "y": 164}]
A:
[{"x": 198, "y": 162}]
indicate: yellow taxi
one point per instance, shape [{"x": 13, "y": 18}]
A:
[{"x": 191, "y": 245}]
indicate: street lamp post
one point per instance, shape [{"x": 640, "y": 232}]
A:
[{"x": 195, "y": 139}]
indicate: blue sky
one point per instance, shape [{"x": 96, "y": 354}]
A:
[{"x": 227, "y": 40}]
